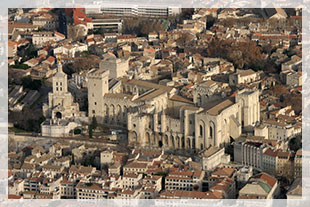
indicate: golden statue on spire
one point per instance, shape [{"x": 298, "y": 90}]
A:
[{"x": 58, "y": 59}]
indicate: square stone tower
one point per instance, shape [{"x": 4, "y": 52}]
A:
[{"x": 98, "y": 85}]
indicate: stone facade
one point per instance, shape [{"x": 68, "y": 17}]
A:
[
  {"x": 118, "y": 67},
  {"x": 156, "y": 116},
  {"x": 61, "y": 112},
  {"x": 98, "y": 85}
]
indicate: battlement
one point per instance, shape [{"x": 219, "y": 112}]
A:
[{"x": 98, "y": 73}]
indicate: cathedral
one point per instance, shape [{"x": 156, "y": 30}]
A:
[
  {"x": 155, "y": 115},
  {"x": 61, "y": 113}
]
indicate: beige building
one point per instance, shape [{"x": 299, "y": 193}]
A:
[
  {"x": 261, "y": 130},
  {"x": 261, "y": 186},
  {"x": 249, "y": 153},
  {"x": 70, "y": 49},
  {"x": 135, "y": 167},
  {"x": 106, "y": 157},
  {"x": 153, "y": 180},
  {"x": 284, "y": 165},
  {"x": 46, "y": 21},
  {"x": 38, "y": 38},
  {"x": 243, "y": 77},
  {"x": 115, "y": 169},
  {"x": 12, "y": 49},
  {"x": 98, "y": 86},
  {"x": 298, "y": 164},
  {"x": 17, "y": 188},
  {"x": 213, "y": 157},
  {"x": 269, "y": 162},
  {"x": 118, "y": 67},
  {"x": 67, "y": 189},
  {"x": 155, "y": 115},
  {"x": 184, "y": 180},
  {"x": 295, "y": 191},
  {"x": 279, "y": 130},
  {"x": 132, "y": 180},
  {"x": 208, "y": 91},
  {"x": 89, "y": 191}
]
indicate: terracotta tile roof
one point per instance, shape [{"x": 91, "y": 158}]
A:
[
  {"x": 226, "y": 172},
  {"x": 190, "y": 194},
  {"x": 271, "y": 181},
  {"x": 14, "y": 196},
  {"x": 181, "y": 173},
  {"x": 89, "y": 186},
  {"x": 130, "y": 175},
  {"x": 271, "y": 153},
  {"x": 128, "y": 192},
  {"x": 135, "y": 165},
  {"x": 50, "y": 59},
  {"x": 12, "y": 43},
  {"x": 59, "y": 34},
  {"x": 299, "y": 152}
]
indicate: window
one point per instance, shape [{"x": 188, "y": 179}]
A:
[
  {"x": 93, "y": 111},
  {"x": 95, "y": 103},
  {"x": 201, "y": 130},
  {"x": 211, "y": 132},
  {"x": 56, "y": 88}
]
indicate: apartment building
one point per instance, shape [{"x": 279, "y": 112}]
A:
[
  {"x": 132, "y": 180},
  {"x": 248, "y": 153},
  {"x": 129, "y": 9},
  {"x": 38, "y": 38},
  {"x": 298, "y": 164},
  {"x": 89, "y": 191},
  {"x": 135, "y": 167},
  {"x": 184, "y": 180},
  {"x": 279, "y": 130},
  {"x": 67, "y": 189},
  {"x": 153, "y": 180}
]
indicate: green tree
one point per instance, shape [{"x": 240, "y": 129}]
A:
[
  {"x": 94, "y": 123},
  {"x": 29, "y": 83},
  {"x": 90, "y": 131},
  {"x": 295, "y": 143},
  {"x": 72, "y": 161}
]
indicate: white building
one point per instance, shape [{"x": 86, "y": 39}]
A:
[
  {"x": 38, "y": 38},
  {"x": 71, "y": 49},
  {"x": 279, "y": 130},
  {"x": 61, "y": 112},
  {"x": 243, "y": 77},
  {"x": 118, "y": 67},
  {"x": 213, "y": 157}
]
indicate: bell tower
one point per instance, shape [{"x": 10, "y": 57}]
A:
[{"x": 60, "y": 85}]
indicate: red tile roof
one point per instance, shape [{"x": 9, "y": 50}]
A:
[{"x": 271, "y": 181}]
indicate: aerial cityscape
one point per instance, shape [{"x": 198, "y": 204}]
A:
[{"x": 155, "y": 103}]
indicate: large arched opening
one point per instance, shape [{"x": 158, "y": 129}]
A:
[{"x": 58, "y": 115}]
